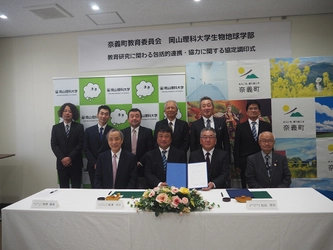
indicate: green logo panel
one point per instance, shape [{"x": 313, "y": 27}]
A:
[
  {"x": 92, "y": 91},
  {"x": 118, "y": 117},
  {"x": 145, "y": 89}
]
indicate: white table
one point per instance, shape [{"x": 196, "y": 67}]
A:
[{"x": 303, "y": 220}]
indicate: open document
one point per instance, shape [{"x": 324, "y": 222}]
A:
[{"x": 191, "y": 175}]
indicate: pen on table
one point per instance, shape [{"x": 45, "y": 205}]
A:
[
  {"x": 53, "y": 191},
  {"x": 221, "y": 194},
  {"x": 110, "y": 192}
]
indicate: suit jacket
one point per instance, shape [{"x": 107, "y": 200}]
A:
[
  {"x": 145, "y": 141},
  {"x": 220, "y": 169},
  {"x": 245, "y": 144},
  {"x": 256, "y": 173},
  {"x": 222, "y": 135},
  {"x": 126, "y": 173},
  {"x": 71, "y": 146},
  {"x": 180, "y": 137},
  {"x": 154, "y": 170},
  {"x": 93, "y": 145}
]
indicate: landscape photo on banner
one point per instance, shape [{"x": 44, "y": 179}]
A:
[{"x": 296, "y": 96}]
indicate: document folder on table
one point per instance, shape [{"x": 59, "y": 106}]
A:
[
  {"x": 129, "y": 194},
  {"x": 239, "y": 192},
  {"x": 261, "y": 195},
  {"x": 192, "y": 175}
]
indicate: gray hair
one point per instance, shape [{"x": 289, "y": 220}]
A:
[
  {"x": 171, "y": 101},
  {"x": 115, "y": 130}
]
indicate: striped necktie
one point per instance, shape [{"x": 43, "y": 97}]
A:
[
  {"x": 208, "y": 123},
  {"x": 268, "y": 168},
  {"x": 171, "y": 126},
  {"x": 254, "y": 130},
  {"x": 164, "y": 159},
  {"x": 67, "y": 130}
]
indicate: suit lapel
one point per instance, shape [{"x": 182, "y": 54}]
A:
[
  {"x": 140, "y": 136},
  {"x": 274, "y": 164}
]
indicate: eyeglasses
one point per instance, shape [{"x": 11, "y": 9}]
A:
[
  {"x": 267, "y": 141},
  {"x": 208, "y": 137},
  {"x": 253, "y": 109}
]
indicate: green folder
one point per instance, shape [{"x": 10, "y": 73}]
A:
[
  {"x": 261, "y": 195},
  {"x": 130, "y": 194}
]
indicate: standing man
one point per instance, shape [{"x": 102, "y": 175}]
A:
[
  {"x": 208, "y": 120},
  {"x": 95, "y": 141},
  {"x": 138, "y": 140},
  {"x": 246, "y": 137},
  {"x": 156, "y": 160},
  {"x": 267, "y": 169},
  {"x": 116, "y": 168},
  {"x": 67, "y": 144},
  {"x": 180, "y": 138},
  {"x": 218, "y": 168}
]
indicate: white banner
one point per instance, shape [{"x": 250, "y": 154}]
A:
[{"x": 177, "y": 47}]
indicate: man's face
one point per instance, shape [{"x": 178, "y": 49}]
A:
[
  {"x": 207, "y": 108},
  {"x": 164, "y": 140},
  {"x": 253, "y": 112},
  {"x": 171, "y": 110},
  {"x": 207, "y": 140},
  {"x": 115, "y": 141},
  {"x": 103, "y": 116},
  {"x": 67, "y": 114},
  {"x": 134, "y": 119},
  {"x": 266, "y": 142}
]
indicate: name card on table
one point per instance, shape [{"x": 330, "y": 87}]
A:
[
  {"x": 50, "y": 204},
  {"x": 261, "y": 204},
  {"x": 110, "y": 205}
]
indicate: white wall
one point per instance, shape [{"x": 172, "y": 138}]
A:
[{"x": 27, "y": 66}]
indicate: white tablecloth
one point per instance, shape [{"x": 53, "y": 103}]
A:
[{"x": 303, "y": 220}]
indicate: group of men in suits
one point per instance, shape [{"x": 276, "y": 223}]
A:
[{"x": 135, "y": 152}]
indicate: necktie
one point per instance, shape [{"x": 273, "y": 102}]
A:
[
  {"x": 67, "y": 130},
  {"x": 101, "y": 133},
  {"x": 114, "y": 169},
  {"x": 171, "y": 126},
  {"x": 208, "y": 160},
  {"x": 254, "y": 131},
  {"x": 208, "y": 123},
  {"x": 134, "y": 141},
  {"x": 164, "y": 159},
  {"x": 267, "y": 166}
]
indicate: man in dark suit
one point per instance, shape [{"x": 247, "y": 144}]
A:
[
  {"x": 138, "y": 140},
  {"x": 246, "y": 141},
  {"x": 67, "y": 144},
  {"x": 208, "y": 120},
  {"x": 116, "y": 168},
  {"x": 95, "y": 141},
  {"x": 267, "y": 169},
  {"x": 218, "y": 168},
  {"x": 180, "y": 137},
  {"x": 155, "y": 159}
]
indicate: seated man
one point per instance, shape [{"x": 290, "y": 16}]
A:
[
  {"x": 116, "y": 168},
  {"x": 156, "y": 160},
  {"x": 267, "y": 169},
  {"x": 218, "y": 167}
]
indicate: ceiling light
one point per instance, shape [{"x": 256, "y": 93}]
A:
[
  {"x": 197, "y": 0},
  {"x": 3, "y": 17},
  {"x": 95, "y": 7}
]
